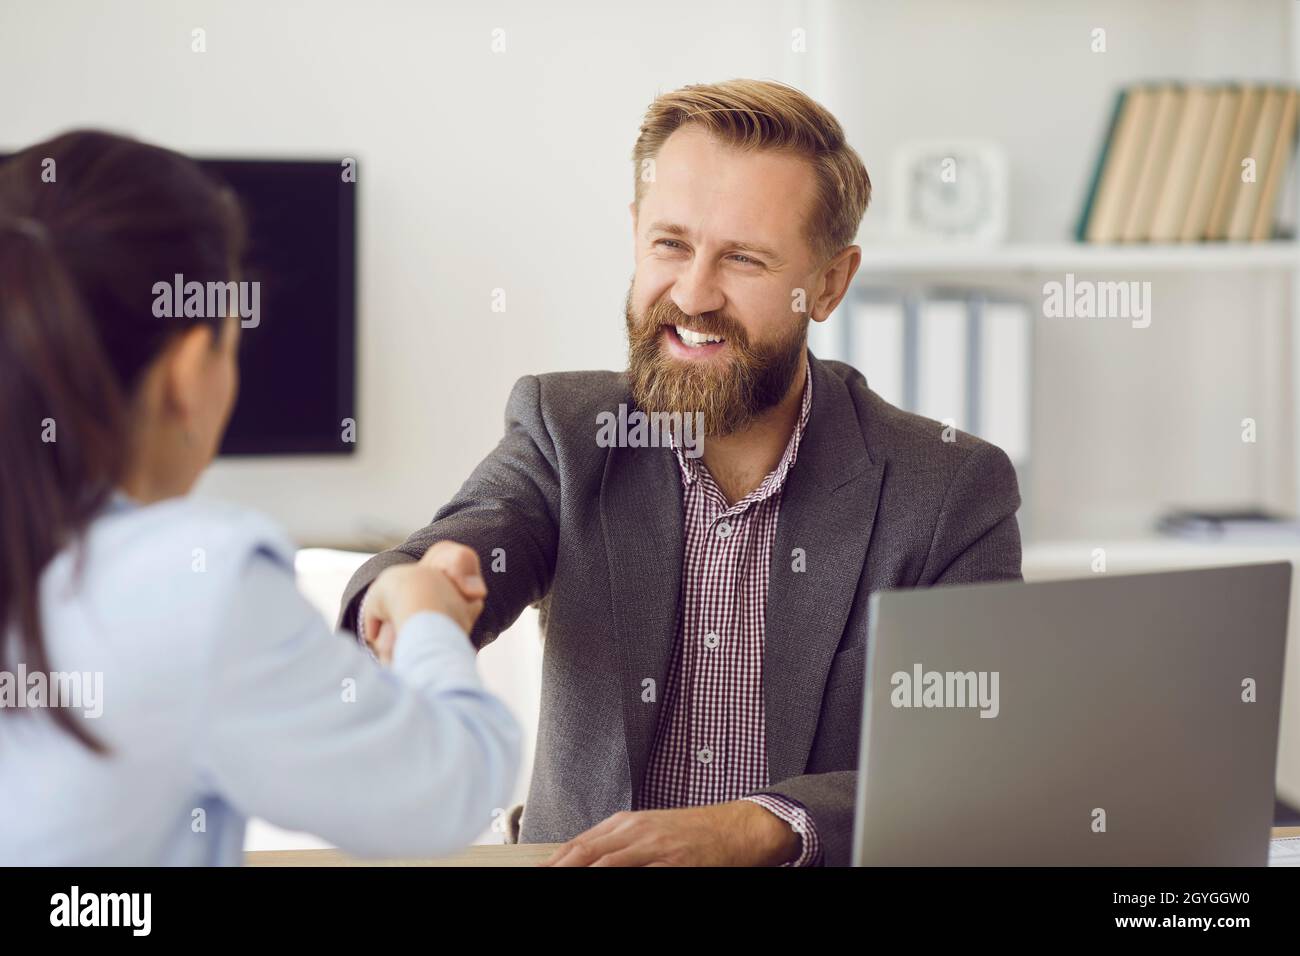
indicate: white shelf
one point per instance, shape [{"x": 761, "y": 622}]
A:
[
  {"x": 1079, "y": 257},
  {"x": 1052, "y": 560}
]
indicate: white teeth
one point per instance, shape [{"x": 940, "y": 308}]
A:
[{"x": 695, "y": 339}]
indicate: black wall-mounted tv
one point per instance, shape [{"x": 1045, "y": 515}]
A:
[{"x": 298, "y": 366}]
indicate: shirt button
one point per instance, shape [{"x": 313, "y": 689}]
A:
[
  {"x": 724, "y": 530},
  {"x": 711, "y": 640},
  {"x": 704, "y": 755}
]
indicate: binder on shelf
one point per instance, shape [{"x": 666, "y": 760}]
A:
[
  {"x": 1005, "y": 342},
  {"x": 878, "y": 347},
  {"x": 953, "y": 356},
  {"x": 826, "y": 338},
  {"x": 943, "y": 362}
]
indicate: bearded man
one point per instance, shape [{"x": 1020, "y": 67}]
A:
[{"x": 705, "y": 615}]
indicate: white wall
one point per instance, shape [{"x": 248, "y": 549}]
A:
[
  {"x": 477, "y": 171},
  {"x": 483, "y": 171}
]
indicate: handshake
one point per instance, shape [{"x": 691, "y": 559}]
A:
[{"x": 447, "y": 579}]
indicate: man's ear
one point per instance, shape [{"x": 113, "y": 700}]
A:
[
  {"x": 186, "y": 363},
  {"x": 837, "y": 276}
]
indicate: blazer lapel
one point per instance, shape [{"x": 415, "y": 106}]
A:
[
  {"x": 828, "y": 507},
  {"x": 641, "y": 518}
]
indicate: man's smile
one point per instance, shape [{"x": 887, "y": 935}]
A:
[{"x": 689, "y": 344}]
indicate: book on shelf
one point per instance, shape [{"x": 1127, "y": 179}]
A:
[
  {"x": 1240, "y": 526},
  {"x": 1090, "y": 202},
  {"x": 1209, "y": 163},
  {"x": 1117, "y": 173},
  {"x": 1260, "y": 153},
  {"x": 1174, "y": 195},
  {"x": 1190, "y": 162},
  {"x": 1279, "y": 166},
  {"x": 1230, "y": 168},
  {"x": 1156, "y": 154}
]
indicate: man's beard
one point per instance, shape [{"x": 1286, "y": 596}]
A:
[{"x": 729, "y": 393}]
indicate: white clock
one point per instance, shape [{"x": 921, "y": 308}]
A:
[{"x": 951, "y": 191}]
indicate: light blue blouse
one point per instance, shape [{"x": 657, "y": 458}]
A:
[{"x": 224, "y": 695}]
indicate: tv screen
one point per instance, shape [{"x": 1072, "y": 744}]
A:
[{"x": 297, "y": 366}]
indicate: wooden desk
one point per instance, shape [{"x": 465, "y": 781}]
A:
[
  {"x": 510, "y": 854},
  {"x": 516, "y": 854}
]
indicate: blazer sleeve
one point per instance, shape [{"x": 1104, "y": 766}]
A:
[
  {"x": 976, "y": 538},
  {"x": 507, "y": 511}
]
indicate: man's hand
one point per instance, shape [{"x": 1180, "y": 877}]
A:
[
  {"x": 740, "y": 833},
  {"x": 460, "y": 563},
  {"x": 457, "y": 563}
]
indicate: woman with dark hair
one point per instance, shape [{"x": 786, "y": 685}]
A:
[{"x": 161, "y": 679}]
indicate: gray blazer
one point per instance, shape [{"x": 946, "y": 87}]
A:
[{"x": 876, "y": 500}]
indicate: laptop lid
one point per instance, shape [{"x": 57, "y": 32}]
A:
[{"x": 1115, "y": 720}]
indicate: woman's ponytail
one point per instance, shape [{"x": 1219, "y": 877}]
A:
[
  {"x": 78, "y": 259},
  {"x": 62, "y": 438}
]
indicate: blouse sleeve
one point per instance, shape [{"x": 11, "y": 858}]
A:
[{"x": 302, "y": 728}]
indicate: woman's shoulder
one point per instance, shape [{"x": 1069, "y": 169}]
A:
[
  {"x": 178, "y": 560},
  {"x": 191, "y": 534},
  {"x": 150, "y": 586}
]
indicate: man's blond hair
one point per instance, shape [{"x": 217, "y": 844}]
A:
[{"x": 760, "y": 114}]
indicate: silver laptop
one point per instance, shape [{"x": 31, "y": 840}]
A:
[{"x": 1118, "y": 720}]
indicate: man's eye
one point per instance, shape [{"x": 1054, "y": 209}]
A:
[
  {"x": 668, "y": 243},
  {"x": 744, "y": 259}
]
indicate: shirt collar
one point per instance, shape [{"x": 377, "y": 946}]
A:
[
  {"x": 693, "y": 468},
  {"x": 118, "y": 502}
]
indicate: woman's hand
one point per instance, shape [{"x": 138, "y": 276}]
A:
[{"x": 446, "y": 579}]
